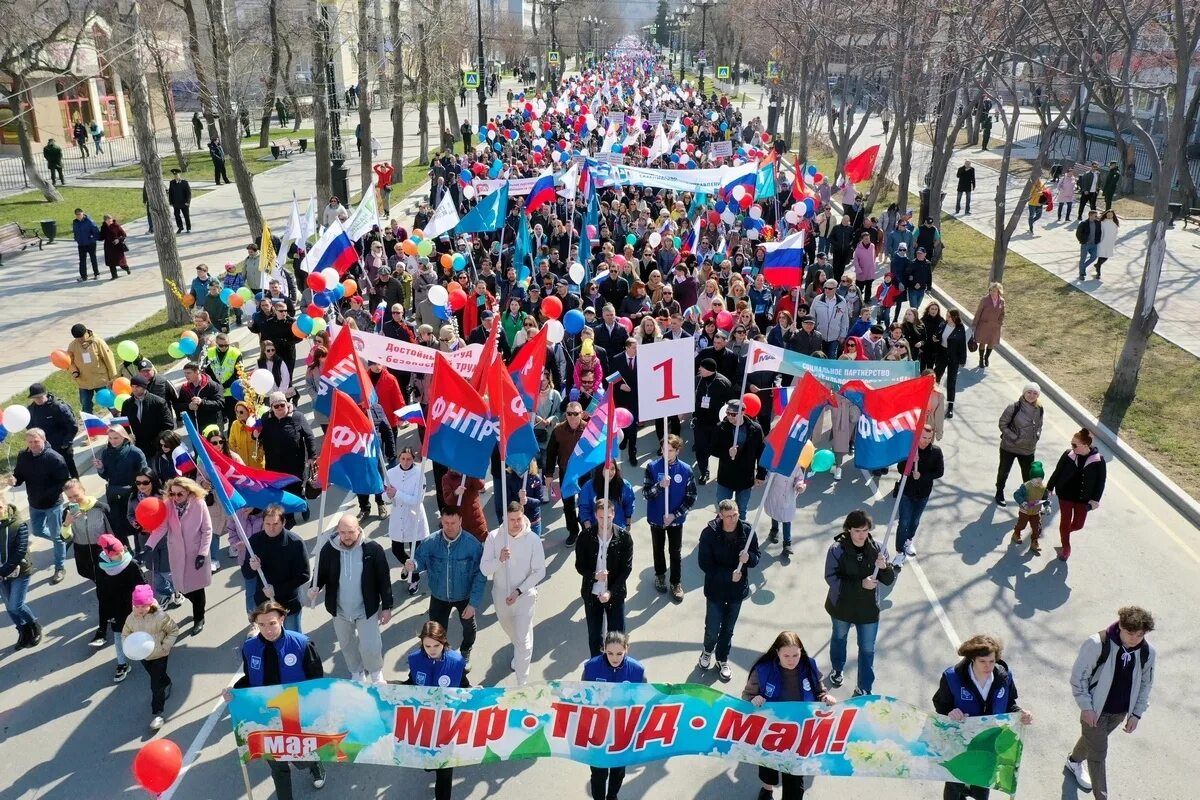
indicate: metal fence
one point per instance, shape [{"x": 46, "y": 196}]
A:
[{"x": 113, "y": 153}]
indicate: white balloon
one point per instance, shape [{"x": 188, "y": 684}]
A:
[
  {"x": 261, "y": 381},
  {"x": 576, "y": 272},
  {"x": 791, "y": 217},
  {"x": 554, "y": 331},
  {"x": 332, "y": 279},
  {"x": 755, "y": 212},
  {"x": 752, "y": 233},
  {"x": 728, "y": 217},
  {"x": 438, "y": 295},
  {"x": 655, "y": 239},
  {"x": 138, "y": 645},
  {"x": 738, "y": 193},
  {"x": 16, "y": 418},
  {"x": 555, "y": 156},
  {"x": 468, "y": 191}
]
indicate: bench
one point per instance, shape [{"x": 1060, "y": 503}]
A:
[
  {"x": 1187, "y": 211},
  {"x": 283, "y": 148},
  {"x": 14, "y": 239}
]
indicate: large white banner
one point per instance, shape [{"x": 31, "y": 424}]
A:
[
  {"x": 444, "y": 218},
  {"x": 666, "y": 373},
  {"x": 395, "y": 354}
]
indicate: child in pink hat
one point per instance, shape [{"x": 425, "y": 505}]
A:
[{"x": 149, "y": 618}]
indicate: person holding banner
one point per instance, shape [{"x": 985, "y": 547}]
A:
[
  {"x": 779, "y": 503},
  {"x": 612, "y": 665},
  {"x": 928, "y": 466},
  {"x": 434, "y": 663},
  {"x": 728, "y": 548},
  {"x": 670, "y": 492},
  {"x": 979, "y": 685},
  {"x": 604, "y": 559},
  {"x": 513, "y": 558},
  {"x": 786, "y": 673},
  {"x": 854, "y": 567}
]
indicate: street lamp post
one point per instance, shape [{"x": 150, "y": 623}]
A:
[
  {"x": 339, "y": 173},
  {"x": 554, "y": 6},
  {"x": 681, "y": 14},
  {"x": 482, "y": 71},
  {"x": 704, "y": 6}
]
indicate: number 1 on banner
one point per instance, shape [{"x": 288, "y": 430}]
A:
[{"x": 668, "y": 370}]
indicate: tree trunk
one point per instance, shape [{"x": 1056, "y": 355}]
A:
[
  {"x": 423, "y": 95},
  {"x": 18, "y": 91},
  {"x": 126, "y": 28},
  {"x": 204, "y": 86},
  {"x": 264, "y": 133},
  {"x": 164, "y": 88},
  {"x": 219, "y": 35},
  {"x": 289, "y": 83},
  {"x": 397, "y": 91},
  {"x": 321, "y": 135},
  {"x": 881, "y": 175},
  {"x": 364, "y": 100}
]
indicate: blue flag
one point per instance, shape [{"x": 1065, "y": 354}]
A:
[
  {"x": 522, "y": 250},
  {"x": 226, "y": 494},
  {"x": 591, "y": 221},
  {"x": 589, "y": 452},
  {"x": 350, "y": 454},
  {"x": 765, "y": 187},
  {"x": 488, "y": 215}
]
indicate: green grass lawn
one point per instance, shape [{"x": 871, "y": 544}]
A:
[
  {"x": 29, "y": 208},
  {"x": 199, "y": 162},
  {"x": 152, "y": 336}
]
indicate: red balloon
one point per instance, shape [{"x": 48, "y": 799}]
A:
[
  {"x": 746, "y": 201},
  {"x": 315, "y": 282},
  {"x": 818, "y": 177},
  {"x": 157, "y": 765},
  {"x": 766, "y": 137},
  {"x": 687, "y": 122},
  {"x": 529, "y": 127},
  {"x": 150, "y": 513},
  {"x": 725, "y": 320},
  {"x": 752, "y": 404},
  {"x": 314, "y": 311},
  {"x": 626, "y": 323},
  {"x": 645, "y": 152},
  {"x": 457, "y": 300},
  {"x": 552, "y": 307},
  {"x": 714, "y": 217}
]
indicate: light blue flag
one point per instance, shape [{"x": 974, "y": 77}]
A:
[
  {"x": 488, "y": 215},
  {"x": 699, "y": 200},
  {"x": 764, "y": 189},
  {"x": 590, "y": 219},
  {"x": 522, "y": 250}
]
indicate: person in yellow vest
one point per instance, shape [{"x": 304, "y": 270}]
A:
[{"x": 222, "y": 366}]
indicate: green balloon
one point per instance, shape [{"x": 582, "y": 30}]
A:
[
  {"x": 678, "y": 243},
  {"x": 128, "y": 351},
  {"x": 823, "y": 461},
  {"x": 631, "y": 240},
  {"x": 174, "y": 351},
  {"x": 246, "y": 294},
  {"x": 717, "y": 258},
  {"x": 425, "y": 247}
]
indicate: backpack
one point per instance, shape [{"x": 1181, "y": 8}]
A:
[{"x": 1105, "y": 650}]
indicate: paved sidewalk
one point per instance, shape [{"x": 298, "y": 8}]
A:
[
  {"x": 43, "y": 300},
  {"x": 1052, "y": 245}
]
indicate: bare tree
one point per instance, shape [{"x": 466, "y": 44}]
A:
[
  {"x": 272, "y": 76},
  {"x": 397, "y": 110},
  {"x": 200, "y": 67},
  {"x": 32, "y": 31},
  {"x": 363, "y": 55},
  {"x": 160, "y": 51}
]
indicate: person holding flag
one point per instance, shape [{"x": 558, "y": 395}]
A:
[
  {"x": 670, "y": 492},
  {"x": 604, "y": 559},
  {"x": 927, "y": 467},
  {"x": 728, "y": 549},
  {"x": 514, "y": 560},
  {"x": 287, "y": 441}
]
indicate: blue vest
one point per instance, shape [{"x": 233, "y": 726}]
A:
[
  {"x": 966, "y": 694},
  {"x": 447, "y": 672},
  {"x": 289, "y": 649},
  {"x": 598, "y": 669},
  {"x": 770, "y": 680}
]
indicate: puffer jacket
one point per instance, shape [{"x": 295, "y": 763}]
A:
[
  {"x": 92, "y": 362},
  {"x": 833, "y": 319},
  {"x": 1021, "y": 427},
  {"x": 845, "y": 568},
  {"x": 14, "y": 545},
  {"x": 159, "y": 625},
  {"x": 56, "y": 419}
]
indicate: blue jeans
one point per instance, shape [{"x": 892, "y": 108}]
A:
[
  {"x": 46, "y": 524},
  {"x": 251, "y": 588},
  {"x": 85, "y": 400},
  {"x": 911, "y": 509},
  {"x": 831, "y": 348},
  {"x": 741, "y": 497},
  {"x": 214, "y": 549},
  {"x": 1035, "y": 213},
  {"x": 719, "y": 621},
  {"x": 118, "y": 640},
  {"x": 787, "y": 530},
  {"x": 1086, "y": 256},
  {"x": 915, "y": 298},
  {"x": 866, "y": 632},
  {"x": 13, "y": 592},
  {"x": 292, "y": 622}
]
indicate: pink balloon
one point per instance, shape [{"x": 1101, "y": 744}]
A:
[
  {"x": 725, "y": 321},
  {"x": 623, "y": 417},
  {"x": 625, "y": 323},
  {"x": 619, "y": 260}
]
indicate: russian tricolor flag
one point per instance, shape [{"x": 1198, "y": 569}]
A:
[
  {"x": 541, "y": 193},
  {"x": 783, "y": 395},
  {"x": 744, "y": 176},
  {"x": 411, "y": 413},
  {"x": 783, "y": 265},
  {"x": 93, "y": 425},
  {"x": 333, "y": 249},
  {"x": 184, "y": 463}
]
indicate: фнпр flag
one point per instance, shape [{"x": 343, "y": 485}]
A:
[
  {"x": 460, "y": 432},
  {"x": 892, "y": 416},
  {"x": 590, "y": 451},
  {"x": 518, "y": 444},
  {"x": 343, "y": 370},
  {"x": 795, "y": 425},
  {"x": 350, "y": 453}
]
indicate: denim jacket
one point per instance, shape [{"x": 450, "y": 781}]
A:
[{"x": 452, "y": 567}]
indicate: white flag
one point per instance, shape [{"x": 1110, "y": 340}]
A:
[
  {"x": 365, "y": 216},
  {"x": 310, "y": 220},
  {"x": 660, "y": 147},
  {"x": 570, "y": 183},
  {"x": 292, "y": 233},
  {"x": 666, "y": 373},
  {"x": 444, "y": 218},
  {"x": 764, "y": 357}
]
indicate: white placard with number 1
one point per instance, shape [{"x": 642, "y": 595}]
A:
[{"x": 666, "y": 374}]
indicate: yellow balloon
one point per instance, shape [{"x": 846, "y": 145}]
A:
[{"x": 807, "y": 453}]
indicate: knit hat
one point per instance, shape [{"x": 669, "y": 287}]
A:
[
  {"x": 1036, "y": 470},
  {"x": 143, "y": 595},
  {"x": 113, "y": 555},
  {"x": 709, "y": 364}
]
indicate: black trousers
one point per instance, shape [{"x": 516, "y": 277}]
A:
[
  {"x": 219, "y": 173},
  {"x": 596, "y": 613},
  {"x": 960, "y": 791},
  {"x": 281, "y": 775},
  {"x": 793, "y": 785},
  {"x": 606, "y": 783},
  {"x": 198, "y": 601},
  {"x": 951, "y": 380},
  {"x": 571, "y": 516},
  {"x": 673, "y": 426},
  {"x": 68, "y": 454},
  {"x": 442, "y": 783},
  {"x": 87, "y": 251},
  {"x": 669, "y": 539},
  {"x": 160, "y": 682},
  {"x": 1006, "y": 462},
  {"x": 702, "y": 445},
  {"x": 439, "y": 612},
  {"x": 183, "y": 218},
  {"x": 57, "y": 170},
  {"x": 1087, "y": 199}
]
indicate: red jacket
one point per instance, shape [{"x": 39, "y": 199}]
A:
[
  {"x": 470, "y": 506},
  {"x": 384, "y": 173},
  {"x": 391, "y": 399}
]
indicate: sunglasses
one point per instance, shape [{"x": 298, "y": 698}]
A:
[
  {"x": 278, "y": 405},
  {"x": 216, "y": 440},
  {"x": 142, "y": 483},
  {"x": 178, "y": 495},
  {"x": 265, "y": 350},
  {"x": 573, "y": 413}
]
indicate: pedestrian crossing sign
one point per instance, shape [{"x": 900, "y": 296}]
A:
[
  {"x": 772, "y": 69},
  {"x": 552, "y": 58},
  {"x": 722, "y": 73},
  {"x": 471, "y": 80}
]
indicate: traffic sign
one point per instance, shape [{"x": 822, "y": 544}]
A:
[
  {"x": 723, "y": 73},
  {"x": 471, "y": 80},
  {"x": 552, "y": 58},
  {"x": 773, "y": 69}
]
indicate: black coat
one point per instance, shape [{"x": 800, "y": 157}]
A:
[
  {"x": 727, "y": 362},
  {"x": 155, "y": 418},
  {"x": 956, "y": 346},
  {"x": 740, "y": 472},
  {"x": 44, "y": 476},
  {"x": 287, "y": 443},
  {"x": 1079, "y": 478},
  {"x": 627, "y": 400},
  {"x": 14, "y": 544},
  {"x": 719, "y": 390},
  {"x": 284, "y": 564},
  {"x": 966, "y": 179},
  {"x": 56, "y": 419},
  {"x": 179, "y": 193},
  {"x": 614, "y": 342},
  {"x": 620, "y": 560},
  {"x": 212, "y": 402},
  {"x": 376, "y": 583},
  {"x": 718, "y": 554},
  {"x": 115, "y": 593},
  {"x": 845, "y": 568}
]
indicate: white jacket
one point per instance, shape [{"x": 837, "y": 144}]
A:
[
  {"x": 408, "y": 522},
  {"x": 524, "y": 570}
]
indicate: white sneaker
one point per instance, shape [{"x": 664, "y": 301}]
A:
[
  {"x": 377, "y": 677},
  {"x": 898, "y": 559},
  {"x": 837, "y": 473},
  {"x": 908, "y": 548},
  {"x": 1080, "y": 771},
  {"x": 705, "y": 660},
  {"x": 724, "y": 670},
  {"x": 156, "y": 723},
  {"x": 358, "y": 677}
]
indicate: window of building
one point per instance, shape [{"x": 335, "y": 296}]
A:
[
  {"x": 73, "y": 103},
  {"x": 106, "y": 87}
]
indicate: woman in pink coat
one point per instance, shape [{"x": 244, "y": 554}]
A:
[
  {"x": 189, "y": 535},
  {"x": 864, "y": 264}
]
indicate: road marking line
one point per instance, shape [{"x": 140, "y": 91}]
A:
[
  {"x": 198, "y": 743},
  {"x": 938, "y": 610}
]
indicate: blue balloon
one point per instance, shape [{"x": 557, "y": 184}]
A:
[
  {"x": 616, "y": 148},
  {"x": 3, "y": 433},
  {"x": 187, "y": 346},
  {"x": 238, "y": 391},
  {"x": 441, "y": 312},
  {"x": 106, "y": 398},
  {"x": 674, "y": 158},
  {"x": 497, "y": 164},
  {"x": 573, "y": 321},
  {"x": 720, "y": 206},
  {"x": 226, "y": 293},
  {"x": 812, "y": 169},
  {"x": 465, "y": 175},
  {"x": 499, "y": 148},
  {"x": 322, "y": 300},
  {"x": 548, "y": 135},
  {"x": 338, "y": 291},
  {"x": 305, "y": 324},
  {"x": 724, "y": 127}
]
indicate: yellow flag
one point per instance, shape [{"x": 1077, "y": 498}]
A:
[{"x": 266, "y": 251}]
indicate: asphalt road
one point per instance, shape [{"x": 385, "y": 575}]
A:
[{"x": 68, "y": 732}]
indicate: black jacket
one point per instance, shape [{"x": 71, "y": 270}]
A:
[
  {"x": 14, "y": 544},
  {"x": 56, "y": 419},
  {"x": 845, "y": 568},
  {"x": 212, "y": 402},
  {"x": 179, "y": 193},
  {"x": 44, "y": 476},
  {"x": 918, "y": 274},
  {"x": 620, "y": 560},
  {"x": 287, "y": 443},
  {"x": 376, "y": 583},
  {"x": 966, "y": 179},
  {"x": 956, "y": 346},
  {"x": 285, "y": 566},
  {"x": 841, "y": 237},
  {"x": 718, "y": 554},
  {"x": 614, "y": 342},
  {"x": 727, "y": 362},
  {"x": 1088, "y": 229},
  {"x": 718, "y": 389},
  {"x": 161, "y": 387},
  {"x": 1078, "y": 478},
  {"x": 115, "y": 593},
  {"x": 930, "y": 465},
  {"x": 740, "y": 472},
  {"x": 155, "y": 418}
]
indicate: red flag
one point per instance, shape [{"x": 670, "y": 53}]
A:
[
  {"x": 516, "y": 432},
  {"x": 862, "y": 166},
  {"x": 343, "y": 370},
  {"x": 799, "y": 189},
  {"x": 459, "y": 431},
  {"x": 526, "y": 369},
  {"x": 491, "y": 352},
  {"x": 795, "y": 425},
  {"x": 350, "y": 448}
]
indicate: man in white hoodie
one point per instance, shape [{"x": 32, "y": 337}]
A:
[{"x": 513, "y": 558}]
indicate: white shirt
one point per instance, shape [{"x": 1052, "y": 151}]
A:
[{"x": 986, "y": 686}]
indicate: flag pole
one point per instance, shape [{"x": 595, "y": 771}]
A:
[
  {"x": 312, "y": 564},
  {"x": 908, "y": 466},
  {"x": 754, "y": 522}
]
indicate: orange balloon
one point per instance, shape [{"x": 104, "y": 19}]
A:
[
  {"x": 60, "y": 359},
  {"x": 417, "y": 232},
  {"x": 121, "y": 386},
  {"x": 447, "y": 261},
  {"x": 455, "y": 288},
  {"x": 188, "y": 301},
  {"x": 236, "y": 301},
  {"x": 190, "y": 335},
  {"x": 350, "y": 286},
  {"x": 299, "y": 333},
  {"x": 408, "y": 248}
]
